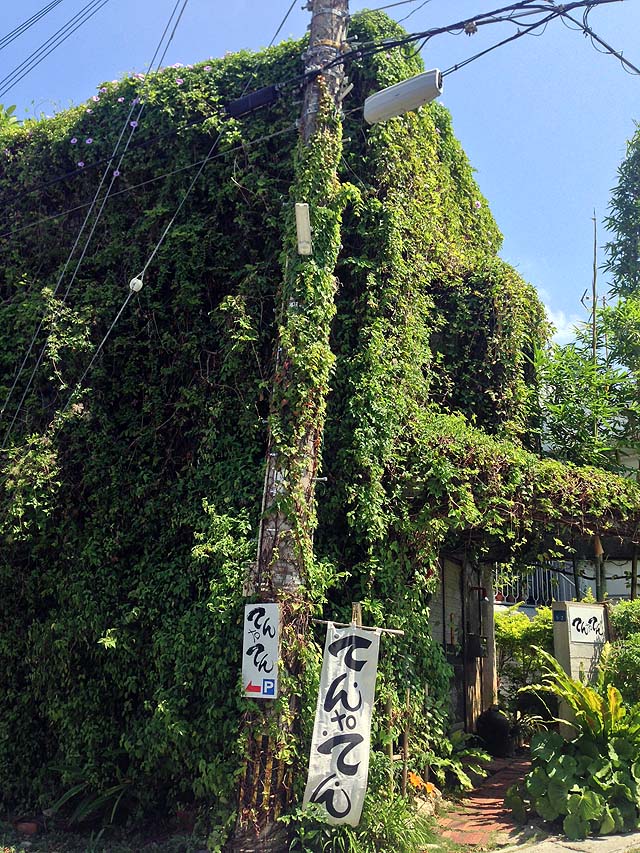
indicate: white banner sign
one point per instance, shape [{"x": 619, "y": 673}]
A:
[
  {"x": 339, "y": 762},
  {"x": 586, "y": 624},
  {"x": 260, "y": 648}
]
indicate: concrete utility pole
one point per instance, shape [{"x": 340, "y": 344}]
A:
[
  {"x": 328, "y": 31},
  {"x": 285, "y": 544},
  {"x": 282, "y": 570}
]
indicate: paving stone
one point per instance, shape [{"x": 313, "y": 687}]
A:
[{"x": 481, "y": 816}]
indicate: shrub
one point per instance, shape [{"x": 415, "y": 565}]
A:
[
  {"x": 590, "y": 783},
  {"x": 388, "y": 823},
  {"x": 623, "y": 668},
  {"x": 517, "y": 638},
  {"x": 625, "y": 618}
]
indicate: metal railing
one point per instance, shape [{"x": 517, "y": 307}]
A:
[{"x": 538, "y": 586}]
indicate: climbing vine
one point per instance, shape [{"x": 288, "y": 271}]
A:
[{"x": 128, "y": 525}]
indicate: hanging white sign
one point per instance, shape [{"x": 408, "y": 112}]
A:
[
  {"x": 260, "y": 651},
  {"x": 587, "y": 625},
  {"x": 339, "y": 761}
]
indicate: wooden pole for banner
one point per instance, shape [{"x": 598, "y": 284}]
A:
[
  {"x": 356, "y": 619},
  {"x": 389, "y": 712},
  {"x": 364, "y": 627},
  {"x": 405, "y": 744}
]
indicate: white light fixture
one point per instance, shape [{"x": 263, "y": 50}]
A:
[
  {"x": 303, "y": 229},
  {"x": 403, "y": 97},
  {"x": 135, "y": 284}
]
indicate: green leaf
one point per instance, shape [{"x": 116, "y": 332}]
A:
[
  {"x": 514, "y": 801},
  {"x": 537, "y": 782},
  {"x": 574, "y": 828},
  {"x": 546, "y": 745},
  {"x": 608, "y": 824},
  {"x": 546, "y": 808},
  {"x": 558, "y": 794}
]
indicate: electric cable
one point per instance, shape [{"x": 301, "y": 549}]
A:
[
  {"x": 89, "y": 167},
  {"x": 513, "y": 9},
  {"x": 518, "y": 12},
  {"x": 282, "y": 23},
  {"x": 392, "y": 5},
  {"x": 159, "y": 243},
  {"x": 387, "y": 44},
  {"x": 97, "y": 352},
  {"x": 626, "y": 64},
  {"x": 413, "y": 11},
  {"x": 52, "y": 43},
  {"x": 242, "y": 146},
  {"x": 26, "y": 25},
  {"x": 132, "y": 124},
  {"x": 514, "y": 37}
]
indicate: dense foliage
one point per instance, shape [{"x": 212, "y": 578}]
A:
[
  {"x": 129, "y": 507},
  {"x": 589, "y": 388},
  {"x": 518, "y": 639},
  {"x": 590, "y": 783},
  {"x": 623, "y": 660}
]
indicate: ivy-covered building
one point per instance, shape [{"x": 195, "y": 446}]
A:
[{"x": 130, "y": 506}]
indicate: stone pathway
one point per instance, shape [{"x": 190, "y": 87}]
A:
[{"x": 481, "y": 819}]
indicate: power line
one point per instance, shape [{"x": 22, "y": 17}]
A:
[
  {"x": 503, "y": 14},
  {"x": 132, "y": 126},
  {"x": 517, "y": 11},
  {"x": 241, "y": 147},
  {"x": 26, "y": 25},
  {"x": 413, "y": 11},
  {"x": 607, "y": 47},
  {"x": 97, "y": 352},
  {"x": 392, "y": 5},
  {"x": 88, "y": 167},
  {"x": 282, "y": 23},
  {"x": 59, "y": 37},
  {"x": 527, "y": 31},
  {"x": 156, "y": 248}
]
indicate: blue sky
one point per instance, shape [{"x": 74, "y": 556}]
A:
[{"x": 543, "y": 120}]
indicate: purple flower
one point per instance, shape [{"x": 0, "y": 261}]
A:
[
  {"x": 477, "y": 205},
  {"x": 116, "y": 173},
  {"x": 179, "y": 81},
  {"x": 177, "y": 65},
  {"x": 96, "y": 98},
  {"x": 133, "y": 123},
  {"x": 81, "y": 164},
  {"x": 73, "y": 141},
  {"x": 103, "y": 89},
  {"x": 89, "y": 140},
  {"x": 135, "y": 101},
  {"x": 207, "y": 68},
  {"x": 120, "y": 100},
  {"x": 89, "y": 111}
]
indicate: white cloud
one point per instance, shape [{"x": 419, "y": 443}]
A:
[{"x": 564, "y": 326}]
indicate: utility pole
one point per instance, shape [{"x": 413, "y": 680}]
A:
[
  {"x": 303, "y": 361},
  {"x": 326, "y": 41}
]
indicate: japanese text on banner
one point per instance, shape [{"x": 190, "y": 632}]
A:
[
  {"x": 260, "y": 647},
  {"x": 339, "y": 761}
]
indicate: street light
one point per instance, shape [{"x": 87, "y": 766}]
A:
[{"x": 403, "y": 97}]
